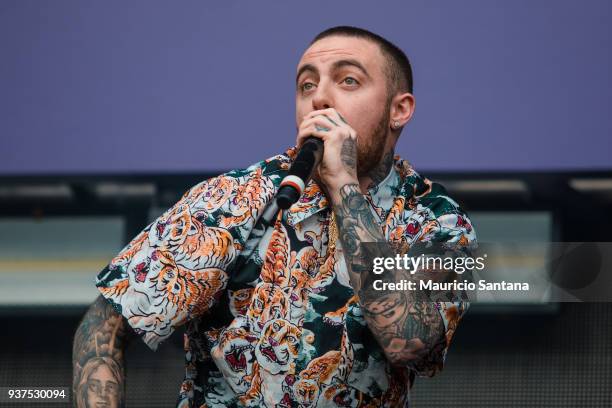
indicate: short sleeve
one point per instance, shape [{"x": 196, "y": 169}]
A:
[
  {"x": 443, "y": 221},
  {"x": 180, "y": 264}
]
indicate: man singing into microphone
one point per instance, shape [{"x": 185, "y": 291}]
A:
[{"x": 279, "y": 312}]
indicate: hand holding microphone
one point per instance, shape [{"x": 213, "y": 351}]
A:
[
  {"x": 293, "y": 185},
  {"x": 337, "y": 160}
]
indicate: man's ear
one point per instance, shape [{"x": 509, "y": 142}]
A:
[{"x": 402, "y": 108}]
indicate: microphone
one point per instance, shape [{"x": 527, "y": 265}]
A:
[{"x": 293, "y": 184}]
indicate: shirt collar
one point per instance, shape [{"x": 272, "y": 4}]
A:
[{"x": 313, "y": 200}]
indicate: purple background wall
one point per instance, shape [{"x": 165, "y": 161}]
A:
[{"x": 150, "y": 86}]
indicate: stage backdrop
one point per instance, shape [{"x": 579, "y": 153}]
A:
[{"x": 157, "y": 86}]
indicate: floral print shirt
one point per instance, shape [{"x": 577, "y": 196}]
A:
[{"x": 271, "y": 319}]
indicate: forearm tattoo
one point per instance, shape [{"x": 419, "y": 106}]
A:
[
  {"x": 406, "y": 323},
  {"x": 98, "y": 357}
]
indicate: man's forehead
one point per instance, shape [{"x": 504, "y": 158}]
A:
[{"x": 333, "y": 48}]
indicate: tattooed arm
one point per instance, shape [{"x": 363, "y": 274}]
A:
[
  {"x": 406, "y": 323},
  {"x": 98, "y": 357}
]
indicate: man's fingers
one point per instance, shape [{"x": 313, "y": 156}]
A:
[
  {"x": 318, "y": 121},
  {"x": 315, "y": 124},
  {"x": 326, "y": 119},
  {"x": 330, "y": 120},
  {"x": 341, "y": 118},
  {"x": 328, "y": 111},
  {"x": 331, "y": 114},
  {"x": 321, "y": 125}
]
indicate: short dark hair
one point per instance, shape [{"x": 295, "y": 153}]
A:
[{"x": 398, "y": 69}]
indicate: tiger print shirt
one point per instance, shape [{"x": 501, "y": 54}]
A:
[{"x": 271, "y": 319}]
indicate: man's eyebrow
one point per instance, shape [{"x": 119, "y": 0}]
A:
[
  {"x": 304, "y": 68},
  {"x": 350, "y": 62},
  {"x": 336, "y": 65}
]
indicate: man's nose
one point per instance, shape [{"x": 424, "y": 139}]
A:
[
  {"x": 104, "y": 394},
  {"x": 322, "y": 99}
]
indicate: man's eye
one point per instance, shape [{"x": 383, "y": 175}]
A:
[
  {"x": 112, "y": 388},
  {"x": 94, "y": 387},
  {"x": 307, "y": 86},
  {"x": 350, "y": 81}
]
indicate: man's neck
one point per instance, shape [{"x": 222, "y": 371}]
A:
[{"x": 378, "y": 173}]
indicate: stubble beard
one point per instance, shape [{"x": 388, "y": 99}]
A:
[{"x": 370, "y": 151}]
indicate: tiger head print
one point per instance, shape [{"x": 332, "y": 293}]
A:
[
  {"x": 308, "y": 259},
  {"x": 239, "y": 301},
  {"x": 323, "y": 371},
  {"x": 312, "y": 193},
  {"x": 267, "y": 303},
  {"x": 134, "y": 259},
  {"x": 249, "y": 200},
  {"x": 313, "y": 378},
  {"x": 298, "y": 287},
  {"x": 233, "y": 355},
  {"x": 193, "y": 291},
  {"x": 171, "y": 228},
  {"x": 306, "y": 392},
  {"x": 326, "y": 273},
  {"x": 297, "y": 293},
  {"x": 278, "y": 346},
  {"x": 212, "y": 194},
  {"x": 205, "y": 246}
]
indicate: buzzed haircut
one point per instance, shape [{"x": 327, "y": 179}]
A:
[{"x": 398, "y": 70}]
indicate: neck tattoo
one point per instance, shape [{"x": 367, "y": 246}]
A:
[{"x": 378, "y": 173}]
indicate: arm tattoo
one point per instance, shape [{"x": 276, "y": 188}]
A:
[
  {"x": 348, "y": 155},
  {"x": 406, "y": 323},
  {"x": 97, "y": 357}
]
